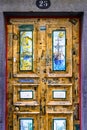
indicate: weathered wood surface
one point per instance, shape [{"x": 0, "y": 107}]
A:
[{"x": 43, "y": 108}]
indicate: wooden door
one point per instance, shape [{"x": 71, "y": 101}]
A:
[{"x": 43, "y": 74}]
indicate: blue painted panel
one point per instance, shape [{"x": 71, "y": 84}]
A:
[{"x": 26, "y": 80}]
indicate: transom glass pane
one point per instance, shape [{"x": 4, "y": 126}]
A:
[
  {"x": 26, "y": 50},
  {"x": 26, "y": 124},
  {"x": 59, "y": 52}
]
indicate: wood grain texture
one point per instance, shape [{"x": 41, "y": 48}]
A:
[{"x": 43, "y": 108}]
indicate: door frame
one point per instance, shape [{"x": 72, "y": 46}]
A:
[{"x": 9, "y": 15}]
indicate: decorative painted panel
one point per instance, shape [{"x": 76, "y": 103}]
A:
[
  {"x": 26, "y": 124},
  {"x": 59, "y": 52},
  {"x": 59, "y": 124},
  {"x": 26, "y": 50}
]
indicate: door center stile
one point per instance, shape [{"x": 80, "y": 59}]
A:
[{"x": 42, "y": 68}]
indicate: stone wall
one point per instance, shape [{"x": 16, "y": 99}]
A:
[{"x": 56, "y": 6}]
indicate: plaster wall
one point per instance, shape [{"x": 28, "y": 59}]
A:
[{"x": 56, "y": 6}]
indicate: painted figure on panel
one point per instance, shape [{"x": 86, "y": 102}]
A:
[
  {"x": 26, "y": 50},
  {"x": 59, "y": 50}
]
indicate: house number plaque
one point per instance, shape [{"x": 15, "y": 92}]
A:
[{"x": 43, "y": 4}]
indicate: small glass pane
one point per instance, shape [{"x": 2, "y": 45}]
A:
[
  {"x": 26, "y": 94},
  {"x": 26, "y": 50},
  {"x": 59, "y": 124},
  {"x": 26, "y": 124},
  {"x": 59, "y": 94},
  {"x": 59, "y": 53},
  {"x": 77, "y": 126}
]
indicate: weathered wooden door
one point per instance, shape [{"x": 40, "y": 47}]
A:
[{"x": 43, "y": 74}]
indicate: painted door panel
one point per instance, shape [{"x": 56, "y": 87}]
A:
[{"x": 43, "y": 74}]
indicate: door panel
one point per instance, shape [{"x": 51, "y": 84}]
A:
[
  {"x": 43, "y": 67},
  {"x": 64, "y": 119},
  {"x": 59, "y": 94},
  {"x": 23, "y": 120},
  {"x": 20, "y": 49},
  {"x": 60, "y": 28},
  {"x": 25, "y": 95}
]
